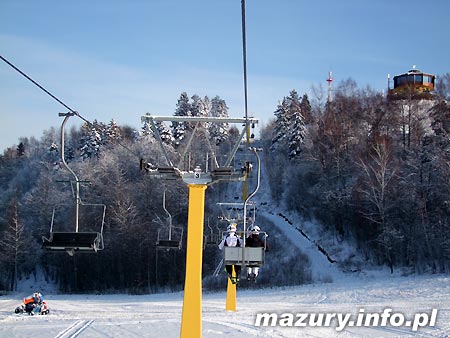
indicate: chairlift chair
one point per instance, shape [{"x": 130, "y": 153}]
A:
[
  {"x": 169, "y": 237},
  {"x": 74, "y": 241},
  {"x": 245, "y": 255},
  {"x": 60, "y": 239},
  {"x": 212, "y": 238}
]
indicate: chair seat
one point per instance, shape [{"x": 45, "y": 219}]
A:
[
  {"x": 73, "y": 240},
  {"x": 167, "y": 244}
]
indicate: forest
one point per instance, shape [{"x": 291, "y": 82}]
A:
[{"x": 370, "y": 169}]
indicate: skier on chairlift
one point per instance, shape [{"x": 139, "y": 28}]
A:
[
  {"x": 255, "y": 240},
  {"x": 232, "y": 239}
]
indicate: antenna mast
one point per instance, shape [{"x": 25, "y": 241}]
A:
[{"x": 330, "y": 87}]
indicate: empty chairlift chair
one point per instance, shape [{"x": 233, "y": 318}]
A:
[
  {"x": 169, "y": 237},
  {"x": 87, "y": 240},
  {"x": 211, "y": 238},
  {"x": 85, "y": 234}
]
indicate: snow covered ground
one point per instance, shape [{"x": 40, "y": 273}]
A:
[{"x": 159, "y": 315}]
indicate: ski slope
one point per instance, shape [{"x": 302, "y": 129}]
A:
[{"x": 159, "y": 315}]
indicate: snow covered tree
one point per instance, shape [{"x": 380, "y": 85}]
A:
[
  {"x": 183, "y": 109},
  {"x": 165, "y": 133},
  {"x": 90, "y": 142},
  {"x": 146, "y": 133},
  {"x": 197, "y": 106},
  {"x": 112, "y": 133},
  {"x": 289, "y": 131},
  {"x": 219, "y": 131},
  {"x": 281, "y": 126},
  {"x": 297, "y": 135},
  {"x": 205, "y": 106}
]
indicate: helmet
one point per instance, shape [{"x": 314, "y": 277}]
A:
[
  {"x": 231, "y": 227},
  {"x": 255, "y": 229}
]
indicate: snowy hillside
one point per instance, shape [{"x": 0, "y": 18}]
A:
[
  {"x": 160, "y": 315},
  {"x": 326, "y": 256}
]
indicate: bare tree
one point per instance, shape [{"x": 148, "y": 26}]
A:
[
  {"x": 378, "y": 174},
  {"x": 15, "y": 245}
]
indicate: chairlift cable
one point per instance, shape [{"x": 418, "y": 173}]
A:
[
  {"x": 38, "y": 85},
  {"x": 74, "y": 112},
  {"x": 244, "y": 55}
]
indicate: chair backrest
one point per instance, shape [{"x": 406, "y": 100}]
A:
[{"x": 243, "y": 256}]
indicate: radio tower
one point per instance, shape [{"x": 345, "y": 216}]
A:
[{"x": 330, "y": 87}]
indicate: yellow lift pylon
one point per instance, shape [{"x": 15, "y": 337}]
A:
[{"x": 191, "y": 323}]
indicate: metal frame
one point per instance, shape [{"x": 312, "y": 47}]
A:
[
  {"x": 217, "y": 173},
  {"x": 169, "y": 242},
  {"x": 77, "y": 241}
]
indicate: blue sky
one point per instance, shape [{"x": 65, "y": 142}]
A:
[{"x": 121, "y": 59}]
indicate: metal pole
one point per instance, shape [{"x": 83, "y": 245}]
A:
[
  {"x": 244, "y": 57},
  {"x": 168, "y": 214},
  {"x": 251, "y": 195},
  {"x": 77, "y": 182}
]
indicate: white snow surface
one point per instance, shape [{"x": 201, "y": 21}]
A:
[{"x": 159, "y": 315}]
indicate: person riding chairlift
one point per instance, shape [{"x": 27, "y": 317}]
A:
[
  {"x": 232, "y": 239},
  {"x": 254, "y": 240}
]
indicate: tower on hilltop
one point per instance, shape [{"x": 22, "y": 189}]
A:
[
  {"x": 330, "y": 87},
  {"x": 412, "y": 84}
]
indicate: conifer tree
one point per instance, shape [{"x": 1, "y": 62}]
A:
[
  {"x": 219, "y": 131},
  {"x": 91, "y": 141},
  {"x": 183, "y": 109},
  {"x": 289, "y": 130},
  {"x": 165, "y": 133},
  {"x": 306, "y": 110},
  {"x": 297, "y": 134},
  {"x": 281, "y": 126},
  {"x": 112, "y": 133}
]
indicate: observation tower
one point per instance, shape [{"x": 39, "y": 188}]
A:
[{"x": 412, "y": 84}]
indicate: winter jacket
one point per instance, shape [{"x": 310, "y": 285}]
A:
[
  {"x": 255, "y": 241},
  {"x": 231, "y": 239}
]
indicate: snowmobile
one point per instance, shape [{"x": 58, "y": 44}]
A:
[{"x": 31, "y": 307}]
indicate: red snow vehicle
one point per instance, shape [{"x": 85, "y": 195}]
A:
[{"x": 34, "y": 304}]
